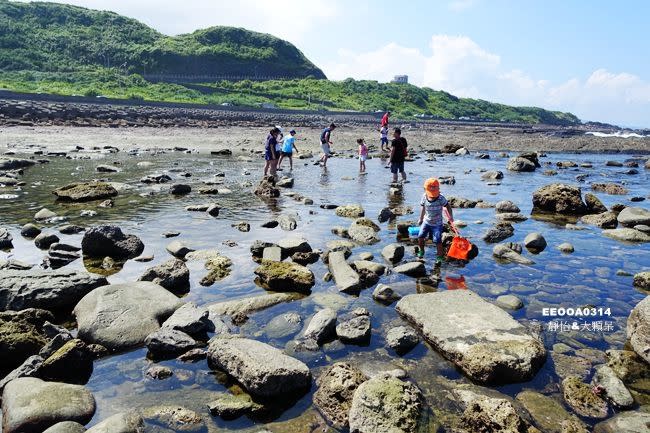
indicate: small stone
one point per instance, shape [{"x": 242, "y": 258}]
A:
[
  {"x": 566, "y": 247},
  {"x": 402, "y": 339}
]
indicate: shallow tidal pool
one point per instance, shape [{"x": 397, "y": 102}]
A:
[{"x": 597, "y": 274}]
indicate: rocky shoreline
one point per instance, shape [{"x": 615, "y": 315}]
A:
[{"x": 208, "y": 128}]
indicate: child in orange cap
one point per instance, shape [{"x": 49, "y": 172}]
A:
[{"x": 432, "y": 204}]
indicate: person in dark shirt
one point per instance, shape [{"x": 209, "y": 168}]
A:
[
  {"x": 325, "y": 143},
  {"x": 398, "y": 154},
  {"x": 270, "y": 154}
]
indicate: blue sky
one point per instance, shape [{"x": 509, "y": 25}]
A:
[{"x": 587, "y": 57}]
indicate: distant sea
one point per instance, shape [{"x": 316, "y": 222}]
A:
[{"x": 616, "y": 134}]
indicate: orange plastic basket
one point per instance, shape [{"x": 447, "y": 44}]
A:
[{"x": 460, "y": 247}]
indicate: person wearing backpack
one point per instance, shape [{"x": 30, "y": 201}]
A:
[
  {"x": 325, "y": 142},
  {"x": 398, "y": 152}
]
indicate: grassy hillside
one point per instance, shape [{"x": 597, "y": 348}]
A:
[
  {"x": 404, "y": 100},
  {"x": 68, "y": 50},
  {"x": 52, "y": 37}
]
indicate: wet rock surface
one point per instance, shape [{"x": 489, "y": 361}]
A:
[{"x": 489, "y": 346}]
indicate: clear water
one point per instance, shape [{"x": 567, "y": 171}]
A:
[{"x": 586, "y": 277}]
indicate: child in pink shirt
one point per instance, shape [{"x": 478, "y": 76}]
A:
[{"x": 363, "y": 155}]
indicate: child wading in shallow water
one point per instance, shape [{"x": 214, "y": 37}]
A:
[
  {"x": 287, "y": 149},
  {"x": 363, "y": 155},
  {"x": 432, "y": 204}
]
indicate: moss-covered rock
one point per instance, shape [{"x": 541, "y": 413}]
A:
[
  {"x": 385, "y": 404},
  {"x": 85, "y": 191},
  {"x": 285, "y": 276},
  {"x": 71, "y": 363},
  {"x": 350, "y": 211},
  {"x": 19, "y": 339},
  {"x": 582, "y": 399},
  {"x": 549, "y": 414}
]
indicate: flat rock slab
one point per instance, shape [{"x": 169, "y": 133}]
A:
[
  {"x": 263, "y": 370},
  {"x": 412, "y": 269},
  {"x": 31, "y": 405},
  {"x": 126, "y": 422},
  {"x": 480, "y": 338},
  {"x": 45, "y": 289},
  {"x": 346, "y": 278},
  {"x": 120, "y": 316},
  {"x": 251, "y": 304}
]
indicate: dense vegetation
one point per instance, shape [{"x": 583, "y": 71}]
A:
[
  {"x": 68, "y": 50},
  {"x": 51, "y": 37}
]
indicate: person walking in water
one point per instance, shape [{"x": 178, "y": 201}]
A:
[
  {"x": 383, "y": 134},
  {"x": 287, "y": 149},
  {"x": 270, "y": 154},
  {"x": 363, "y": 155},
  {"x": 325, "y": 143},
  {"x": 398, "y": 152}
]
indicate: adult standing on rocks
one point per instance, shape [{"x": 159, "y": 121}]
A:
[
  {"x": 325, "y": 142},
  {"x": 270, "y": 155},
  {"x": 398, "y": 154},
  {"x": 384, "y": 119}
]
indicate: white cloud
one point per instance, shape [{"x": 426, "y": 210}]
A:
[{"x": 460, "y": 66}]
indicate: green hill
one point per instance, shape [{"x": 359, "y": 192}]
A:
[
  {"x": 68, "y": 50},
  {"x": 52, "y": 37}
]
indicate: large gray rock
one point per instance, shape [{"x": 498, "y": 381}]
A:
[
  {"x": 30, "y": 405},
  {"x": 322, "y": 326},
  {"x": 402, "y": 339},
  {"x": 285, "y": 276},
  {"x": 385, "y": 404},
  {"x": 15, "y": 163},
  {"x": 504, "y": 252},
  {"x": 85, "y": 191},
  {"x": 626, "y": 422},
  {"x": 604, "y": 220},
  {"x": 615, "y": 389},
  {"x": 45, "y": 289},
  {"x": 559, "y": 198},
  {"x": 412, "y": 269},
  {"x": 355, "y": 330},
  {"x": 168, "y": 341},
  {"x": 638, "y": 329},
  {"x": 487, "y": 344},
  {"x": 346, "y": 278},
  {"x": 125, "y": 422},
  {"x": 263, "y": 370},
  {"x": 120, "y": 316},
  {"x": 627, "y": 235},
  {"x": 500, "y": 231},
  {"x": 291, "y": 245},
  {"x": 109, "y": 240},
  {"x": 190, "y": 319},
  {"x": 173, "y": 275},
  {"x": 535, "y": 242},
  {"x": 364, "y": 231},
  {"x": 393, "y": 253},
  {"x": 632, "y": 216},
  {"x": 66, "y": 427},
  {"x": 520, "y": 164},
  {"x": 507, "y": 206},
  {"x": 336, "y": 387}
]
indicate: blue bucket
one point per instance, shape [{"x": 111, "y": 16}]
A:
[{"x": 414, "y": 231}]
